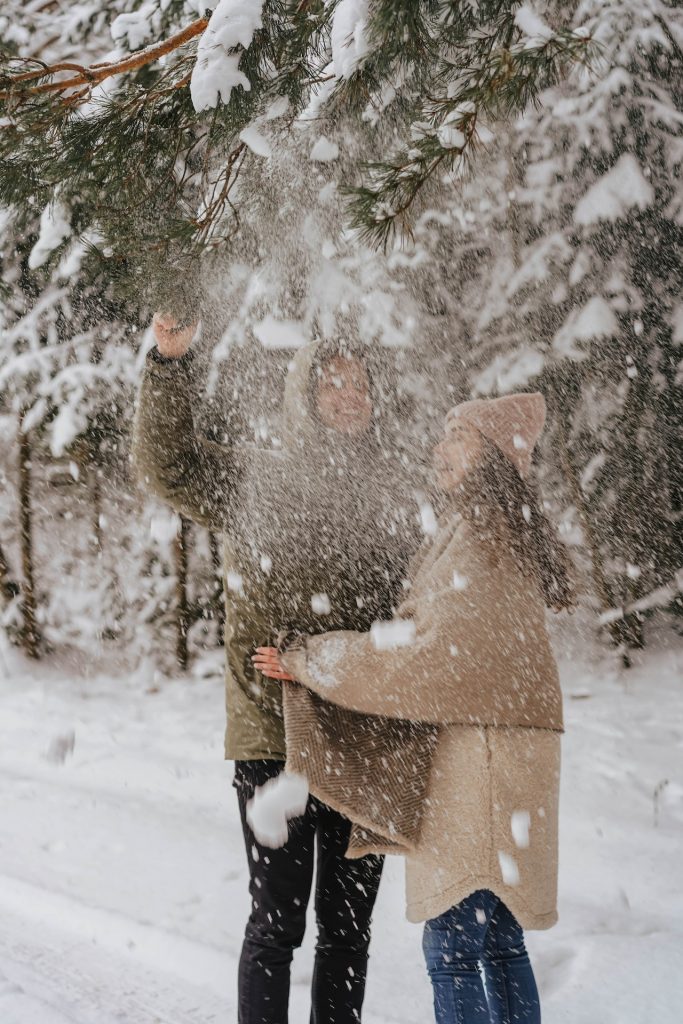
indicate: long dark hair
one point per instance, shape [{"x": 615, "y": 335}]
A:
[{"x": 504, "y": 510}]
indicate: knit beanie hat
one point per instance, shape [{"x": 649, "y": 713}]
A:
[{"x": 513, "y": 423}]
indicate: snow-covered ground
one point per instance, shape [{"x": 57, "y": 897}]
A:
[{"x": 123, "y": 881}]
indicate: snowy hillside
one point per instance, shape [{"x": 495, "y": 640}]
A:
[{"x": 122, "y": 875}]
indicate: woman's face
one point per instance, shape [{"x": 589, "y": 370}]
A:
[
  {"x": 455, "y": 456},
  {"x": 343, "y": 396}
]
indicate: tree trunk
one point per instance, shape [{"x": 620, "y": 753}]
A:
[
  {"x": 96, "y": 493},
  {"x": 8, "y": 587},
  {"x": 513, "y": 181},
  {"x": 602, "y": 588},
  {"x": 30, "y": 636},
  {"x": 181, "y": 618},
  {"x": 647, "y": 529}
]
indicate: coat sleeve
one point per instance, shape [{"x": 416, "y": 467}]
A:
[
  {"x": 418, "y": 680},
  {"x": 193, "y": 475}
]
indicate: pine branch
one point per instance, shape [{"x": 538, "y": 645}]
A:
[
  {"x": 95, "y": 73},
  {"x": 155, "y": 178},
  {"x": 484, "y": 83}
]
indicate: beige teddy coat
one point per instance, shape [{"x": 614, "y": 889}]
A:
[{"x": 473, "y": 658}]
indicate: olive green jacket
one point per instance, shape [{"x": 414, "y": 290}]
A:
[{"x": 267, "y": 591}]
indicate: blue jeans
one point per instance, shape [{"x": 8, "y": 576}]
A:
[{"x": 479, "y": 966}]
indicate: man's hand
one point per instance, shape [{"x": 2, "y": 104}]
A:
[
  {"x": 267, "y": 661},
  {"x": 172, "y": 340}
]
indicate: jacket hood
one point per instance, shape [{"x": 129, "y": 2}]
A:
[
  {"x": 299, "y": 422},
  {"x": 301, "y": 425}
]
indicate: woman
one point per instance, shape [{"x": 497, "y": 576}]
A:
[{"x": 470, "y": 792}]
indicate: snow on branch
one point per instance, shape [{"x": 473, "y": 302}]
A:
[
  {"x": 624, "y": 186},
  {"x": 216, "y": 71},
  {"x": 658, "y": 598},
  {"x": 506, "y": 71}
]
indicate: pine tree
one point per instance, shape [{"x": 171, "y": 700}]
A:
[
  {"x": 357, "y": 114},
  {"x": 592, "y": 299},
  {"x": 148, "y": 155}
]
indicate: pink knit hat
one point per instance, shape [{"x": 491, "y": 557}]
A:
[{"x": 513, "y": 423}]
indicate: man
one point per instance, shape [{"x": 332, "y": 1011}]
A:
[{"x": 317, "y": 536}]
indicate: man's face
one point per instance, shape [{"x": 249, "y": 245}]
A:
[{"x": 343, "y": 396}]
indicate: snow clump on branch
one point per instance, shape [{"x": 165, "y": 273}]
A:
[
  {"x": 216, "y": 71},
  {"x": 622, "y": 188},
  {"x": 55, "y": 228},
  {"x": 349, "y": 44},
  {"x": 136, "y": 28},
  {"x": 532, "y": 24}
]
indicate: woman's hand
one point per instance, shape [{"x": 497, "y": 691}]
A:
[
  {"x": 172, "y": 340},
  {"x": 267, "y": 661}
]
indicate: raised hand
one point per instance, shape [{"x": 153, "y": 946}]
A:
[{"x": 173, "y": 340}]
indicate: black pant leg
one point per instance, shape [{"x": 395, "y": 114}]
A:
[
  {"x": 280, "y": 885},
  {"x": 345, "y": 896}
]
